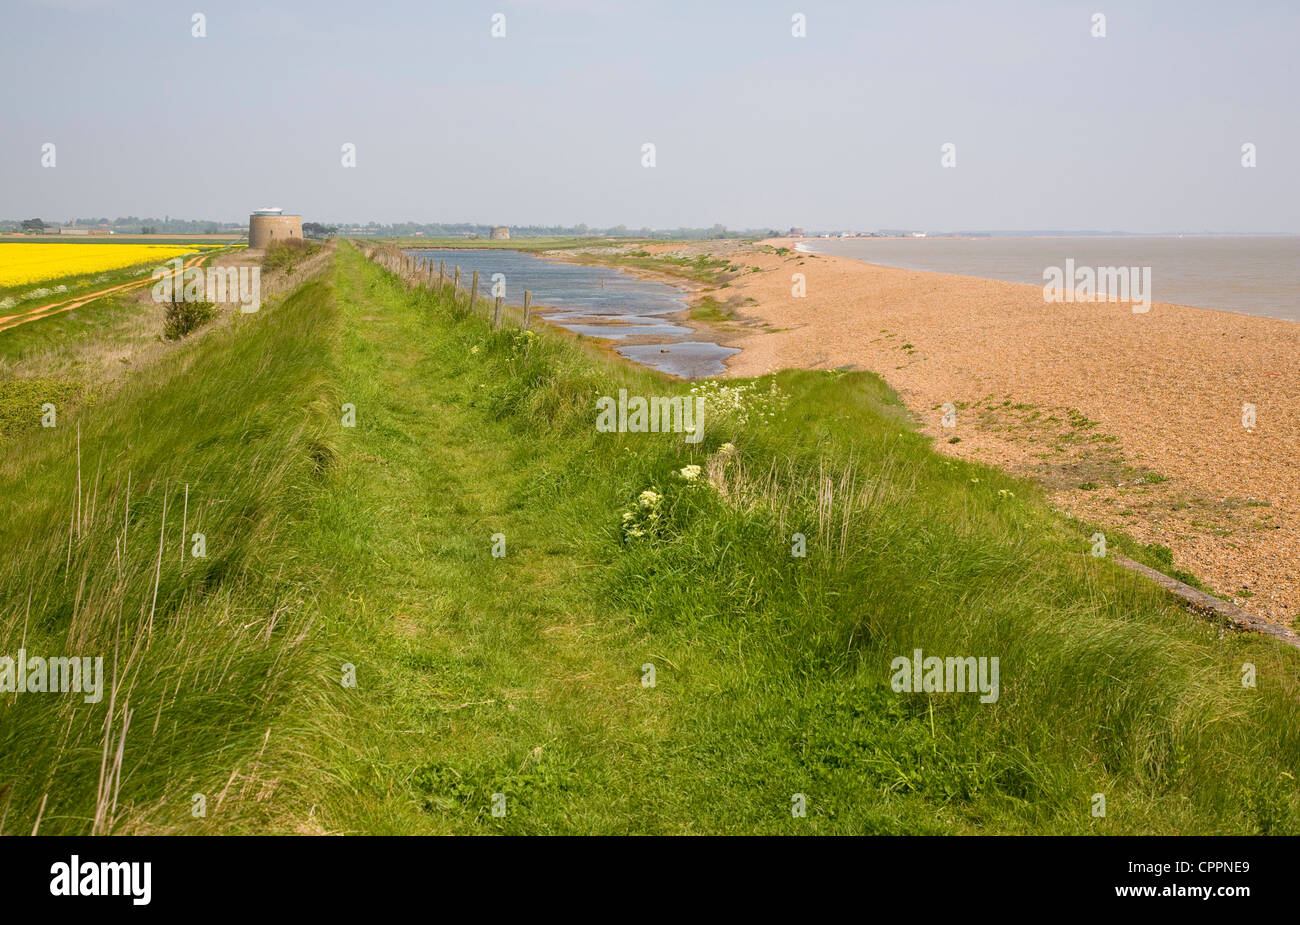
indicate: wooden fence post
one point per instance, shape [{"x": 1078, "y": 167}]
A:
[
  {"x": 442, "y": 272},
  {"x": 528, "y": 307},
  {"x": 473, "y": 293},
  {"x": 455, "y": 286},
  {"x": 496, "y": 314}
]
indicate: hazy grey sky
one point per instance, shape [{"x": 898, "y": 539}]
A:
[{"x": 1140, "y": 131}]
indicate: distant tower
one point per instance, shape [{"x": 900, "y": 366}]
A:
[
  {"x": 267, "y": 225},
  {"x": 500, "y": 233}
]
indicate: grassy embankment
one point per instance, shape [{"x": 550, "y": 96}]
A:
[{"x": 522, "y": 675}]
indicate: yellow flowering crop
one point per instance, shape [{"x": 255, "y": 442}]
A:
[{"x": 22, "y": 263}]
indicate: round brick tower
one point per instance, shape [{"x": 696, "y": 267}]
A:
[{"x": 267, "y": 225}]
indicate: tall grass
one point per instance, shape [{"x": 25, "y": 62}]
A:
[{"x": 203, "y": 656}]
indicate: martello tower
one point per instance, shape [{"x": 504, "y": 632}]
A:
[{"x": 267, "y": 225}]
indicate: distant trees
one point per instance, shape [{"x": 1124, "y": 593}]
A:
[
  {"x": 33, "y": 226},
  {"x": 317, "y": 230}
]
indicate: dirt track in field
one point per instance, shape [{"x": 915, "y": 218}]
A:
[{"x": 55, "y": 308}]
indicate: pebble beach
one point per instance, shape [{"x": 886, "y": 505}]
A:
[{"x": 1130, "y": 420}]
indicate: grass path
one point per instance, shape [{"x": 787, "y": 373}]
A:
[{"x": 476, "y": 675}]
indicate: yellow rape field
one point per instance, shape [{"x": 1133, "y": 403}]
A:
[{"x": 22, "y": 263}]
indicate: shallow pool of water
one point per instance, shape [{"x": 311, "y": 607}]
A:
[{"x": 597, "y": 302}]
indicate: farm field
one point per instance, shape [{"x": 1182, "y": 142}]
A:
[
  {"x": 645, "y": 656},
  {"x": 29, "y": 263}
]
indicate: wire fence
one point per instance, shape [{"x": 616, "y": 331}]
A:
[{"x": 437, "y": 276}]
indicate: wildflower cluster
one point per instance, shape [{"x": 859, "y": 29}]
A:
[
  {"x": 739, "y": 403},
  {"x": 646, "y": 516},
  {"x": 522, "y": 341},
  {"x": 649, "y": 516},
  {"x": 38, "y": 293}
]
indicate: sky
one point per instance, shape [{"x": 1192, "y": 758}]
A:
[{"x": 843, "y": 128}]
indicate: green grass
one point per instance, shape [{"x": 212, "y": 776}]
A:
[
  {"x": 286, "y": 256},
  {"x": 21, "y": 401},
  {"x": 93, "y": 322},
  {"x": 372, "y": 546},
  {"x": 206, "y": 650},
  {"x": 711, "y": 310},
  {"x": 702, "y": 268}
]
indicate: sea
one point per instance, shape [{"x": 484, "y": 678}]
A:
[{"x": 1254, "y": 275}]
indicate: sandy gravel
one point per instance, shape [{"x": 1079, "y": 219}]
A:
[{"x": 1072, "y": 395}]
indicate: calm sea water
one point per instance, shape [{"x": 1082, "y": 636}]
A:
[
  {"x": 598, "y": 302},
  {"x": 1252, "y": 275}
]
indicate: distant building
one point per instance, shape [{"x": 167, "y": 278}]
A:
[
  {"x": 500, "y": 233},
  {"x": 918, "y": 234},
  {"x": 267, "y": 225},
  {"x": 796, "y": 233}
]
